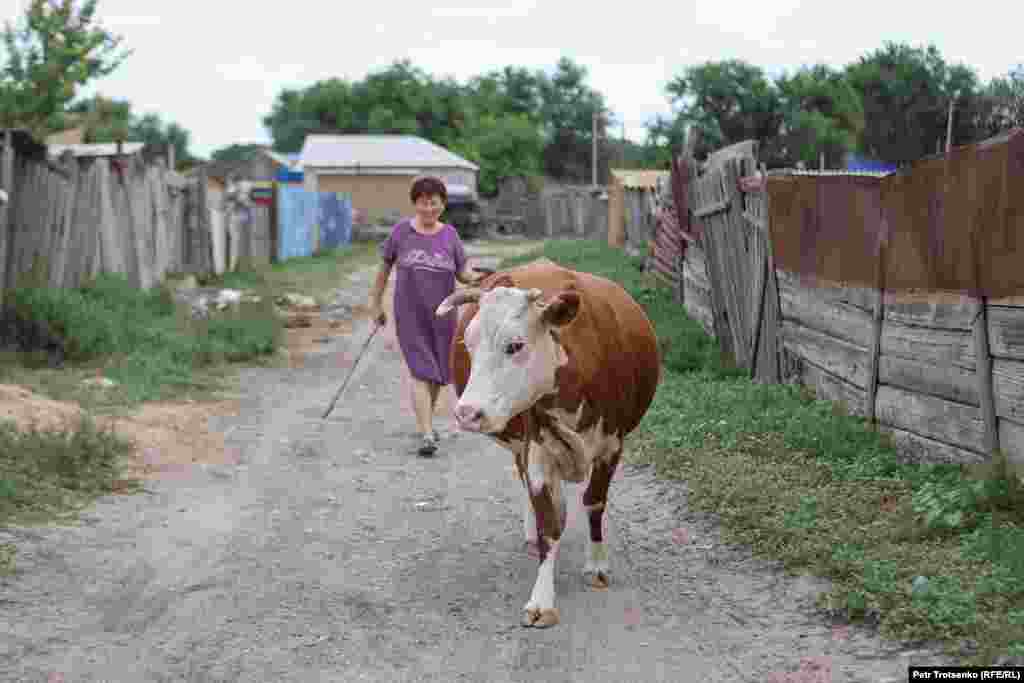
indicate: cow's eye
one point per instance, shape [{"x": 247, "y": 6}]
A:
[{"x": 512, "y": 348}]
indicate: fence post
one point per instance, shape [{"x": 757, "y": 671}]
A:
[
  {"x": 7, "y": 185},
  {"x": 983, "y": 371},
  {"x": 879, "y": 313},
  {"x": 983, "y": 353},
  {"x": 876, "y": 337}
]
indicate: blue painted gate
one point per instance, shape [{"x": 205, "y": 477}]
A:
[
  {"x": 335, "y": 220},
  {"x": 304, "y": 216}
]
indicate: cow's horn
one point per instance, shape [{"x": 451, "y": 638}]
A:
[{"x": 456, "y": 299}]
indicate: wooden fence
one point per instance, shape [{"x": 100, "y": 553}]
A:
[
  {"x": 943, "y": 374},
  {"x": 69, "y": 219}
]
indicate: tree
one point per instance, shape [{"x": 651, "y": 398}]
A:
[
  {"x": 567, "y": 107},
  {"x": 509, "y": 145},
  {"x": 728, "y": 102},
  {"x": 1005, "y": 102},
  {"x": 57, "y": 48},
  {"x": 906, "y": 93},
  {"x": 151, "y": 130},
  {"x": 233, "y": 153},
  {"x": 112, "y": 120},
  {"x": 822, "y": 114}
]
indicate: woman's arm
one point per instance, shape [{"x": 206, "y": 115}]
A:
[{"x": 379, "y": 285}]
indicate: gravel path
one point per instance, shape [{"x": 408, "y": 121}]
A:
[{"x": 333, "y": 553}]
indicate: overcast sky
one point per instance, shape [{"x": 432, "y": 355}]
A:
[{"x": 216, "y": 67}]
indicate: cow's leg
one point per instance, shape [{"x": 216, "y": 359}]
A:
[
  {"x": 545, "y": 496},
  {"x": 595, "y": 498},
  {"x": 530, "y": 522}
]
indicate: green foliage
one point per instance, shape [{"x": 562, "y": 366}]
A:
[
  {"x": 111, "y": 120},
  {"x": 150, "y": 351},
  {"x": 56, "y": 48},
  {"x": 509, "y": 121},
  {"x": 726, "y": 101},
  {"x": 906, "y": 93},
  {"x": 42, "y": 470},
  {"x": 823, "y": 114}
]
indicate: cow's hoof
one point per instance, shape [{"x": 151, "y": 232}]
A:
[
  {"x": 598, "y": 580},
  {"x": 540, "y": 617}
]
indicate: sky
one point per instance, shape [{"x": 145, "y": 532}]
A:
[{"x": 216, "y": 67}]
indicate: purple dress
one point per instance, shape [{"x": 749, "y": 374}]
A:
[{"x": 425, "y": 275}]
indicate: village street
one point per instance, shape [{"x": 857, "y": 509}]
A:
[{"x": 331, "y": 552}]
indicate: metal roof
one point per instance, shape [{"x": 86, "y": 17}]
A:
[
  {"x": 645, "y": 179},
  {"x": 378, "y": 151},
  {"x": 811, "y": 172},
  {"x": 97, "y": 150}
]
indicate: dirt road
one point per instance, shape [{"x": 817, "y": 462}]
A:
[{"x": 332, "y": 553}]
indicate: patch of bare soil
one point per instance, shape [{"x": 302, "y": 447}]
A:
[
  {"x": 170, "y": 437},
  {"x": 308, "y": 330}
]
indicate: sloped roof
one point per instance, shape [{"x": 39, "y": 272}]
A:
[
  {"x": 97, "y": 150},
  {"x": 379, "y": 151},
  {"x": 644, "y": 179}
]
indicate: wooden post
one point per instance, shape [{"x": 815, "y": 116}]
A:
[
  {"x": 760, "y": 317},
  {"x": 7, "y": 185},
  {"x": 878, "y": 322}
]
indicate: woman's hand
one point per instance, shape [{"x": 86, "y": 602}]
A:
[{"x": 378, "y": 315}]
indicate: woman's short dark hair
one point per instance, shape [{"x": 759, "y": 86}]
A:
[{"x": 428, "y": 185}]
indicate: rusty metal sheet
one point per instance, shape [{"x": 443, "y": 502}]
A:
[{"x": 950, "y": 224}]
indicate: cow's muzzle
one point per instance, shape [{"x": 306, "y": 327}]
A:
[{"x": 469, "y": 418}]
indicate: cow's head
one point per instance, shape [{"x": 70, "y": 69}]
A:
[{"x": 513, "y": 354}]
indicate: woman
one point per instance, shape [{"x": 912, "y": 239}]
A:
[{"x": 430, "y": 257}]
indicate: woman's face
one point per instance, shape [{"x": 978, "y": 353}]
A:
[{"x": 429, "y": 208}]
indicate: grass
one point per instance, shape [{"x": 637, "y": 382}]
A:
[
  {"x": 312, "y": 276},
  {"x": 149, "y": 345},
  {"x": 801, "y": 481},
  {"x": 146, "y": 343}
]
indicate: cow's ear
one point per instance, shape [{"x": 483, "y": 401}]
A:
[{"x": 561, "y": 310}]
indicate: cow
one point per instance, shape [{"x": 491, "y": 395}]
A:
[{"x": 557, "y": 366}]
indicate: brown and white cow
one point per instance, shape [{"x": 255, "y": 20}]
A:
[{"x": 557, "y": 366}]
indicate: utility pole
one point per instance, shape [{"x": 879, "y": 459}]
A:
[
  {"x": 949, "y": 125},
  {"x": 623, "y": 142},
  {"x": 593, "y": 153}
]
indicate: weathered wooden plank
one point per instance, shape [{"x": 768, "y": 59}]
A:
[
  {"x": 839, "y": 357},
  {"x": 983, "y": 376},
  {"x": 829, "y": 387},
  {"x": 1011, "y": 440},
  {"x": 953, "y": 313},
  {"x": 1008, "y": 388},
  {"x": 953, "y": 423},
  {"x": 1006, "y": 331},
  {"x": 759, "y": 320},
  {"x": 8, "y": 185},
  {"x": 711, "y": 208},
  {"x": 860, "y": 297},
  {"x": 936, "y": 346},
  {"x": 756, "y": 221},
  {"x": 836, "y": 318},
  {"x": 945, "y": 381},
  {"x": 915, "y": 448},
  {"x": 112, "y": 254}
]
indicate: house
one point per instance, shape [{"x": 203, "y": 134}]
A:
[
  {"x": 378, "y": 170},
  {"x": 106, "y": 149},
  {"x": 256, "y": 228},
  {"x": 632, "y": 207}
]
